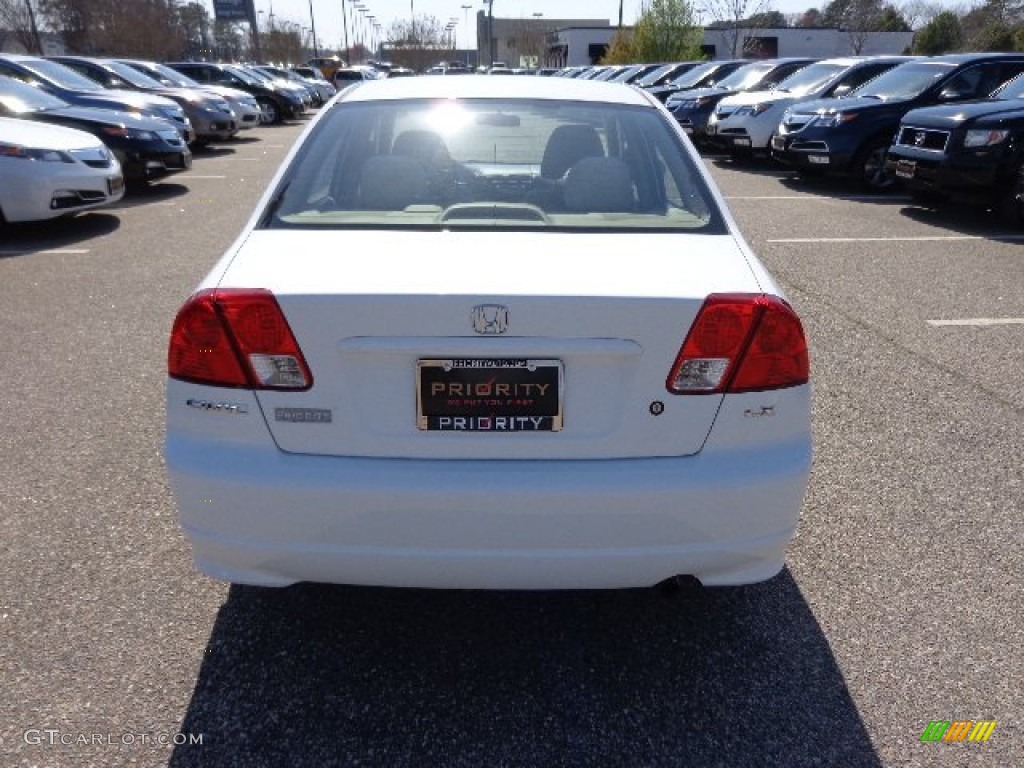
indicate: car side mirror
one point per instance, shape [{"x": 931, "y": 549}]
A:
[{"x": 954, "y": 94}]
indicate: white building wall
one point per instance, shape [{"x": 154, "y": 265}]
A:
[{"x": 815, "y": 43}]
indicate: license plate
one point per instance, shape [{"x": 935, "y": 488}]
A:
[
  {"x": 115, "y": 185},
  {"x": 817, "y": 159},
  {"x": 186, "y": 161},
  {"x": 741, "y": 142},
  {"x": 905, "y": 168},
  {"x": 489, "y": 395},
  {"x": 778, "y": 142},
  {"x": 710, "y": 130}
]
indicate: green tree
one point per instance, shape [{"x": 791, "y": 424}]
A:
[
  {"x": 940, "y": 35},
  {"x": 996, "y": 36},
  {"x": 810, "y": 18},
  {"x": 620, "y": 49},
  {"x": 667, "y": 30},
  {"x": 891, "y": 20},
  {"x": 859, "y": 18},
  {"x": 767, "y": 20}
]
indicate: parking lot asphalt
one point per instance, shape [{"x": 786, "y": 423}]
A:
[{"x": 899, "y": 604}]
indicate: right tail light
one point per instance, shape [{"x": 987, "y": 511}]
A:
[{"x": 741, "y": 343}]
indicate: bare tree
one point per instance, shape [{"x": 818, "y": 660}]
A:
[
  {"x": 530, "y": 42},
  {"x": 138, "y": 28},
  {"x": 17, "y": 18},
  {"x": 917, "y": 13},
  {"x": 415, "y": 44},
  {"x": 734, "y": 17}
]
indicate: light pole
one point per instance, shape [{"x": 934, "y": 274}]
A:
[
  {"x": 490, "y": 33},
  {"x": 465, "y": 22},
  {"x": 344, "y": 26},
  {"x": 312, "y": 26}
]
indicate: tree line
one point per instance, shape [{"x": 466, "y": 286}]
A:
[
  {"x": 672, "y": 30},
  {"x": 666, "y": 30}
]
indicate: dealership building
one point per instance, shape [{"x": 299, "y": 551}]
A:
[{"x": 541, "y": 42}]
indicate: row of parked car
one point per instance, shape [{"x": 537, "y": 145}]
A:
[
  {"x": 944, "y": 127},
  {"x": 111, "y": 122}
]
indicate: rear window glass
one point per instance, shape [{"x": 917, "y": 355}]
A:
[{"x": 494, "y": 163}]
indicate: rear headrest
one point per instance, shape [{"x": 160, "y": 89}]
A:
[
  {"x": 391, "y": 183},
  {"x": 423, "y": 145},
  {"x": 599, "y": 185},
  {"x": 566, "y": 145}
]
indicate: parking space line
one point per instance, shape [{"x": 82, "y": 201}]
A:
[
  {"x": 51, "y": 251},
  {"x": 979, "y": 321},
  {"x": 924, "y": 239},
  {"x": 190, "y": 176},
  {"x": 816, "y": 198}
]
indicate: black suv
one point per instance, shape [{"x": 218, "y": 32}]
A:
[
  {"x": 276, "y": 103},
  {"x": 852, "y": 135},
  {"x": 972, "y": 152}
]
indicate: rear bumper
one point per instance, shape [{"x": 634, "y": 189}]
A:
[{"x": 257, "y": 515}]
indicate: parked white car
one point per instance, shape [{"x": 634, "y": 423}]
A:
[
  {"x": 489, "y": 333},
  {"x": 47, "y": 171},
  {"x": 745, "y": 122}
]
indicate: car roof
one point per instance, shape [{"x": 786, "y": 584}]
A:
[
  {"x": 964, "y": 58},
  {"x": 441, "y": 87}
]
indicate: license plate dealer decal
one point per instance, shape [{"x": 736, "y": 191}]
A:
[{"x": 489, "y": 395}]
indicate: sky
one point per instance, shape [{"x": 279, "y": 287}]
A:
[{"x": 328, "y": 13}]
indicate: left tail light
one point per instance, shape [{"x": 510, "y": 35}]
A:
[{"x": 236, "y": 337}]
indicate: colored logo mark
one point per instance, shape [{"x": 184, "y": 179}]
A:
[{"x": 958, "y": 730}]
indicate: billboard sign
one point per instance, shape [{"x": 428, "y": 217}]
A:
[{"x": 232, "y": 10}]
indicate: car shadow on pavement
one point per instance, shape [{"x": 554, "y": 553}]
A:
[
  {"x": 841, "y": 188},
  {"x": 152, "y": 192},
  {"x": 968, "y": 220},
  {"x": 325, "y": 675},
  {"x": 32, "y": 237},
  {"x": 756, "y": 164},
  {"x": 212, "y": 150}
]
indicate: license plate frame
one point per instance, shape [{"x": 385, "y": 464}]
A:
[
  {"x": 778, "y": 142},
  {"x": 488, "y": 395},
  {"x": 115, "y": 185},
  {"x": 905, "y": 169}
]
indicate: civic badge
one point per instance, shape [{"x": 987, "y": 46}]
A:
[
  {"x": 490, "y": 318},
  {"x": 919, "y": 139}
]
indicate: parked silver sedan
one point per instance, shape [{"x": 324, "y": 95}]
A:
[{"x": 244, "y": 106}]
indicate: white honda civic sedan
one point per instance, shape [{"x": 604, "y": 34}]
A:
[
  {"x": 47, "y": 171},
  {"x": 489, "y": 333}
]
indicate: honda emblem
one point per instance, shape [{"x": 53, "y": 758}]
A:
[{"x": 490, "y": 318}]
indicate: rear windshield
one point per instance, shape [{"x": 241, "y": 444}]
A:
[{"x": 494, "y": 163}]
